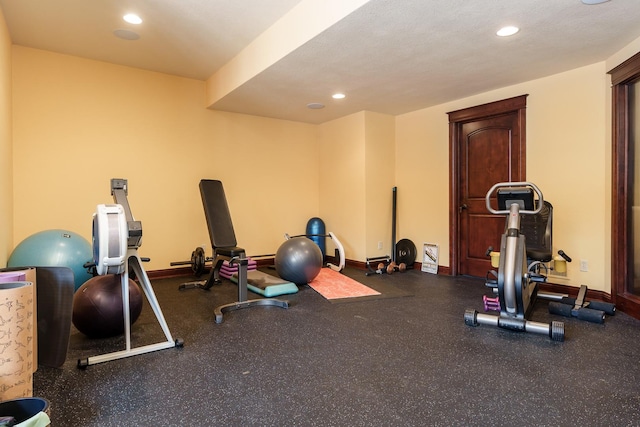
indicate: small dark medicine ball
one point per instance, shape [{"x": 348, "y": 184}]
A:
[{"x": 97, "y": 306}]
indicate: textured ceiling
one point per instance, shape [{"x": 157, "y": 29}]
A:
[
  {"x": 389, "y": 56},
  {"x": 189, "y": 38}
]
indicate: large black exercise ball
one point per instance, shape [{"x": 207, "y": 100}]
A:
[
  {"x": 97, "y": 306},
  {"x": 298, "y": 260}
]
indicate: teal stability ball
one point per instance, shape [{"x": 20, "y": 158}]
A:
[{"x": 54, "y": 248}]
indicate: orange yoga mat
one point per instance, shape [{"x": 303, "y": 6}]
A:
[{"x": 333, "y": 285}]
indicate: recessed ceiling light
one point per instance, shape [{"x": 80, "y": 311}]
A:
[
  {"x": 338, "y": 96},
  {"x": 507, "y": 31},
  {"x": 594, "y": 1},
  {"x": 315, "y": 105},
  {"x": 132, "y": 18}
]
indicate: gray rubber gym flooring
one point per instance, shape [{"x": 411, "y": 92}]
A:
[{"x": 398, "y": 361}]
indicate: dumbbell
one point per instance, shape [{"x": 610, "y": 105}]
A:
[
  {"x": 396, "y": 267},
  {"x": 491, "y": 304},
  {"x": 391, "y": 267}
]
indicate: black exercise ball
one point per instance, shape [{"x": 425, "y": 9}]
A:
[
  {"x": 97, "y": 306},
  {"x": 298, "y": 260}
]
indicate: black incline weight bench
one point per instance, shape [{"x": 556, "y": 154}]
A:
[{"x": 224, "y": 244}]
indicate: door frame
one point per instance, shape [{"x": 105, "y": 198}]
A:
[
  {"x": 456, "y": 120},
  {"x": 622, "y": 250}
]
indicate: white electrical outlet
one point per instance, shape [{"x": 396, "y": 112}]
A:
[
  {"x": 204, "y": 246},
  {"x": 584, "y": 265},
  {"x": 379, "y": 245}
]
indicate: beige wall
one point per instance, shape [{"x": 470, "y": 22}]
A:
[
  {"x": 78, "y": 123},
  {"x": 568, "y": 150},
  {"x": 6, "y": 217},
  {"x": 342, "y": 182},
  {"x": 379, "y": 180},
  {"x": 357, "y": 170}
]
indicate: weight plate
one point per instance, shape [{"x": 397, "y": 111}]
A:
[
  {"x": 197, "y": 261},
  {"x": 406, "y": 252}
]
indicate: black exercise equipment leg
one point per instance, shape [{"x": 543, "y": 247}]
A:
[
  {"x": 555, "y": 330},
  {"x": 243, "y": 302},
  {"x": 579, "y": 307}
]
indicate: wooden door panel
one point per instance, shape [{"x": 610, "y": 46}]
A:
[
  {"x": 484, "y": 232},
  {"x": 486, "y": 161},
  {"x": 489, "y": 149}
]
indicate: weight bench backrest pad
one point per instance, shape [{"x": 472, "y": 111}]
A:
[{"x": 217, "y": 214}]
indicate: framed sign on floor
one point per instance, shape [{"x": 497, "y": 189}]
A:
[{"x": 430, "y": 258}]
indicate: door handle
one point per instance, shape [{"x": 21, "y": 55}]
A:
[{"x": 463, "y": 207}]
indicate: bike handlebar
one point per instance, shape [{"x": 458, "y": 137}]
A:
[{"x": 511, "y": 185}]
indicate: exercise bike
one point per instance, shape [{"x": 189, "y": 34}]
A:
[
  {"x": 522, "y": 268},
  {"x": 516, "y": 288}
]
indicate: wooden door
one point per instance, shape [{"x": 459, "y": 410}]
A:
[{"x": 487, "y": 146}]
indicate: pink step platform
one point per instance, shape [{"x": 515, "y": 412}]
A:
[{"x": 227, "y": 270}]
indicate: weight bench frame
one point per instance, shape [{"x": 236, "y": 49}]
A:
[{"x": 224, "y": 244}]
